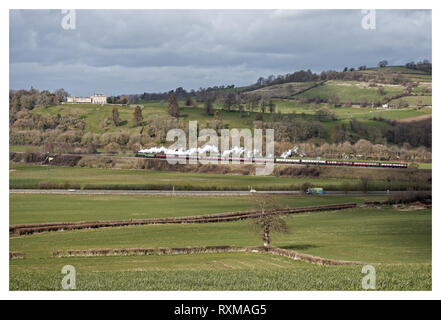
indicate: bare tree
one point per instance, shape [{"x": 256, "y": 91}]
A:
[
  {"x": 334, "y": 100},
  {"x": 208, "y": 107},
  {"x": 267, "y": 222},
  {"x": 217, "y": 120},
  {"x": 381, "y": 91},
  {"x": 137, "y": 116},
  {"x": 173, "y": 106},
  {"x": 115, "y": 116}
]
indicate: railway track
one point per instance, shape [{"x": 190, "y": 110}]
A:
[{"x": 27, "y": 229}]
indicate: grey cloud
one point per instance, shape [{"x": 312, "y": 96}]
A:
[{"x": 127, "y": 51}]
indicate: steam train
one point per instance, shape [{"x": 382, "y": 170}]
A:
[{"x": 276, "y": 160}]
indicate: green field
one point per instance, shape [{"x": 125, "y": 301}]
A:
[
  {"x": 397, "y": 242},
  {"x": 416, "y": 100},
  {"x": 355, "y": 112},
  {"x": 40, "y": 208},
  {"x": 368, "y": 235},
  {"x": 32, "y": 176},
  {"x": 350, "y": 90},
  {"x": 218, "y": 272}
]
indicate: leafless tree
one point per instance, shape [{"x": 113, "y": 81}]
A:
[
  {"x": 115, "y": 116},
  {"x": 267, "y": 222},
  {"x": 137, "y": 116}
]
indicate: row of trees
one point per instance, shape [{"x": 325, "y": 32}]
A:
[
  {"x": 381, "y": 64},
  {"x": 425, "y": 66},
  {"x": 29, "y": 99},
  {"x": 228, "y": 102},
  {"x": 124, "y": 99}
]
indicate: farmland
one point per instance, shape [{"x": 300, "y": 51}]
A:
[
  {"x": 403, "y": 236},
  {"x": 394, "y": 239},
  {"x": 52, "y": 177},
  {"x": 40, "y": 208},
  {"x": 223, "y": 272},
  {"x": 353, "y": 91}
]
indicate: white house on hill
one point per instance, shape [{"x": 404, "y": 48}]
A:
[{"x": 97, "y": 98}]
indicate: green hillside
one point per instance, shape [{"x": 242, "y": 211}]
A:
[
  {"x": 317, "y": 112},
  {"x": 350, "y": 91}
]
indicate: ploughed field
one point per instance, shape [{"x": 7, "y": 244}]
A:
[{"x": 397, "y": 243}]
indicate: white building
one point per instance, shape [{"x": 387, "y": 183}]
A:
[
  {"x": 78, "y": 100},
  {"x": 96, "y": 98}
]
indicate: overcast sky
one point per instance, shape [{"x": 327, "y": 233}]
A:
[{"x": 120, "y": 51}]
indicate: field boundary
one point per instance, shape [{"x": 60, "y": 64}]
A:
[
  {"x": 27, "y": 229},
  {"x": 200, "y": 250}
]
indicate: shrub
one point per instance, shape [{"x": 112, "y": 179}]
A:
[
  {"x": 136, "y": 147},
  {"x": 305, "y": 186},
  {"x": 408, "y": 197},
  {"x": 113, "y": 148},
  {"x": 91, "y": 148}
]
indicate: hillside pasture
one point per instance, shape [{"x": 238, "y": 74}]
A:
[{"x": 350, "y": 91}]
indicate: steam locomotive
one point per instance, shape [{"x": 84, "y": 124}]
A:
[{"x": 276, "y": 160}]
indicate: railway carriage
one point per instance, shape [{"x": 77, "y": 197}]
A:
[{"x": 276, "y": 160}]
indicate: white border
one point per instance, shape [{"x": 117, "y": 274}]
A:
[{"x": 225, "y": 4}]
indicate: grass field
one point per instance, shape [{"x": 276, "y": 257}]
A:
[
  {"x": 350, "y": 90},
  {"x": 425, "y": 166},
  {"x": 363, "y": 114},
  {"x": 399, "y": 241},
  {"x": 31, "y": 176},
  {"x": 224, "y": 272},
  {"x": 39, "y": 208},
  {"x": 361, "y": 234},
  {"x": 416, "y": 100}
]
